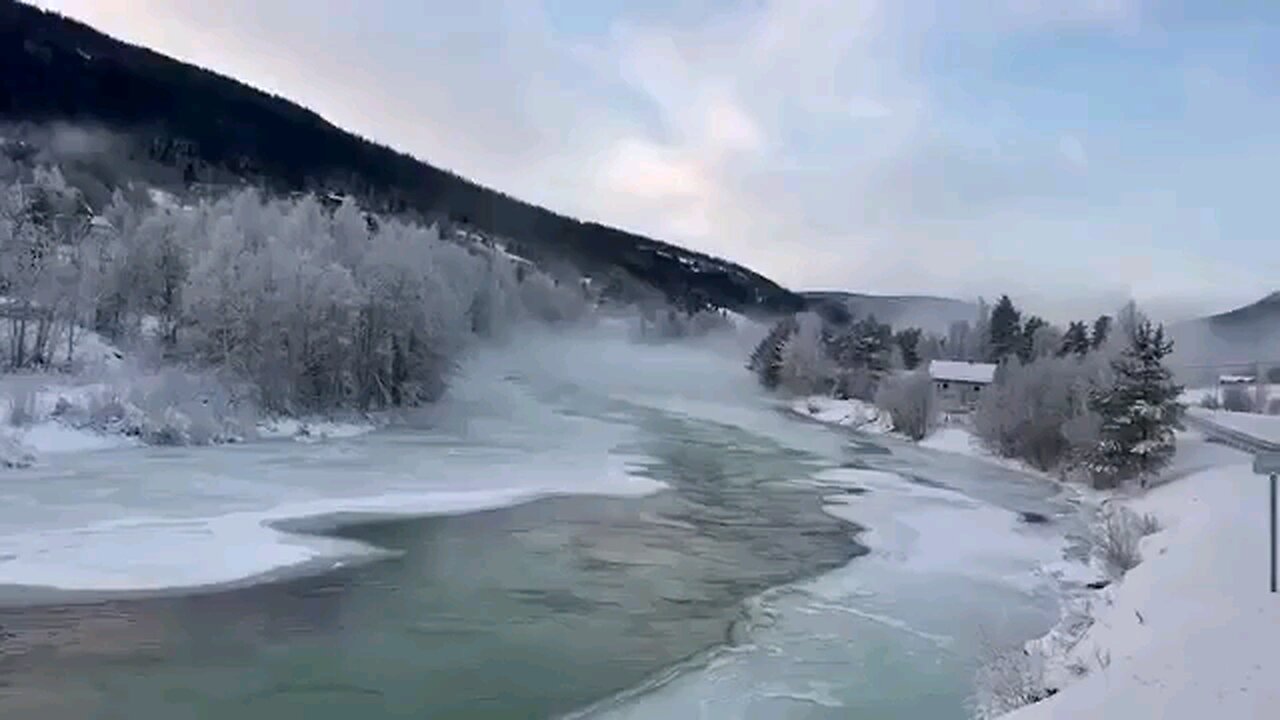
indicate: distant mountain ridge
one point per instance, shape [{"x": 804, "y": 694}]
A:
[
  {"x": 1234, "y": 339},
  {"x": 207, "y": 126},
  {"x": 1265, "y": 310},
  {"x": 929, "y": 313}
]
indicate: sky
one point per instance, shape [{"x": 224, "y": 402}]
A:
[{"x": 1071, "y": 153}]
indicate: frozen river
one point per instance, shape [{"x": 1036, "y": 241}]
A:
[{"x": 584, "y": 527}]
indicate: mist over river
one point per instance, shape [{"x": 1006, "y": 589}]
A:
[{"x": 584, "y": 527}]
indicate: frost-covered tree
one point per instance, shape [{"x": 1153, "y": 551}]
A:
[
  {"x": 43, "y": 222},
  {"x": 956, "y": 345},
  {"x": 978, "y": 343},
  {"x": 1038, "y": 412},
  {"x": 1139, "y": 411},
  {"x": 314, "y": 308},
  {"x": 931, "y": 347},
  {"x": 1128, "y": 319},
  {"x": 806, "y": 367},
  {"x": 1045, "y": 341},
  {"x": 910, "y": 402}
]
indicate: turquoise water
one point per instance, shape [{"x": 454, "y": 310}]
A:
[{"x": 784, "y": 570}]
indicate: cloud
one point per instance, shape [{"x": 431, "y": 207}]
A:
[
  {"x": 1060, "y": 14},
  {"x": 865, "y": 108},
  {"x": 1073, "y": 151},
  {"x": 729, "y": 128}
]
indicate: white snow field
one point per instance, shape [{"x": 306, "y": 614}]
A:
[{"x": 1191, "y": 632}]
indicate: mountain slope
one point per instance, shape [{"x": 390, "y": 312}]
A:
[
  {"x": 1235, "y": 339},
  {"x": 932, "y": 314},
  {"x": 212, "y": 127}
]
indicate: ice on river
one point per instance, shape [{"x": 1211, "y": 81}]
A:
[
  {"x": 143, "y": 519},
  {"x": 892, "y": 634}
]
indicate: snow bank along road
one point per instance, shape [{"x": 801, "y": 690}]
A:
[
  {"x": 1192, "y": 632},
  {"x": 1247, "y": 432}
]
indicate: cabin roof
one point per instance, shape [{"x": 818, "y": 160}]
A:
[
  {"x": 1236, "y": 380},
  {"x": 959, "y": 371}
]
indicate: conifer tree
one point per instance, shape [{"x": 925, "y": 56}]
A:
[
  {"x": 909, "y": 344},
  {"x": 1075, "y": 341},
  {"x": 1027, "y": 337},
  {"x": 1139, "y": 411},
  {"x": 1101, "y": 331},
  {"x": 766, "y": 359},
  {"x": 1006, "y": 330}
]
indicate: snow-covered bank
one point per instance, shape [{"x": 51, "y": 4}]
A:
[
  {"x": 955, "y": 439},
  {"x": 854, "y": 414},
  {"x": 1192, "y": 631},
  {"x": 52, "y": 437},
  {"x": 48, "y": 414},
  {"x": 35, "y": 422},
  {"x": 867, "y": 418},
  {"x": 315, "y": 430}
]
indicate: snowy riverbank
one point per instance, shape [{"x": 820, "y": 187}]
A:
[
  {"x": 1191, "y": 631},
  {"x": 852, "y": 414},
  {"x": 864, "y": 417},
  {"x": 46, "y": 415}
]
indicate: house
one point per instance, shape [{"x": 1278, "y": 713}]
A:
[
  {"x": 957, "y": 385},
  {"x": 1236, "y": 379}
]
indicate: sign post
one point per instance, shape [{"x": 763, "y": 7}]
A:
[{"x": 1268, "y": 463}]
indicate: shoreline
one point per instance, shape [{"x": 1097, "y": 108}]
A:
[
  {"x": 1186, "y": 629},
  {"x": 1069, "y": 578},
  {"x": 749, "y": 612},
  {"x": 323, "y": 527}
]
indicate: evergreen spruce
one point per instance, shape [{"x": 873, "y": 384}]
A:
[
  {"x": 766, "y": 359},
  {"x": 862, "y": 356},
  {"x": 1027, "y": 337},
  {"x": 1076, "y": 341},
  {"x": 1006, "y": 330},
  {"x": 1139, "y": 411},
  {"x": 909, "y": 344},
  {"x": 1101, "y": 331}
]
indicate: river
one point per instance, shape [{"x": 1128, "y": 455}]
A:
[{"x": 583, "y": 528}]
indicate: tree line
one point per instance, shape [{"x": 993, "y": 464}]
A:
[
  {"x": 1094, "y": 399},
  {"x": 314, "y": 308}
]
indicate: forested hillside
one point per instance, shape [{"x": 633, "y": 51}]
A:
[{"x": 212, "y": 129}]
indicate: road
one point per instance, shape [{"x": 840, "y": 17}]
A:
[{"x": 1228, "y": 436}]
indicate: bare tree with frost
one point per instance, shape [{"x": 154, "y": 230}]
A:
[
  {"x": 806, "y": 367},
  {"x": 314, "y": 309}
]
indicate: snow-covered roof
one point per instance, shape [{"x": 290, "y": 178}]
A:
[
  {"x": 1236, "y": 380},
  {"x": 956, "y": 371}
]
